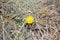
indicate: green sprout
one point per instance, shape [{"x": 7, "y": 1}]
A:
[{"x": 18, "y": 21}]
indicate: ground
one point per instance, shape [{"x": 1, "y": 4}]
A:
[{"x": 46, "y": 25}]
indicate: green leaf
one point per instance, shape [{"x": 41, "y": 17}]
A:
[{"x": 18, "y": 21}]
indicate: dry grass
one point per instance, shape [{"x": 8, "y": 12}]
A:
[{"x": 45, "y": 27}]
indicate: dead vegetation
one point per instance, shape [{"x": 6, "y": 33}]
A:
[{"x": 46, "y": 24}]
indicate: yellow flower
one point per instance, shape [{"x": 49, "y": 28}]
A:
[{"x": 29, "y": 19}]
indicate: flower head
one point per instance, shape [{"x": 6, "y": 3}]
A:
[{"x": 29, "y": 19}]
